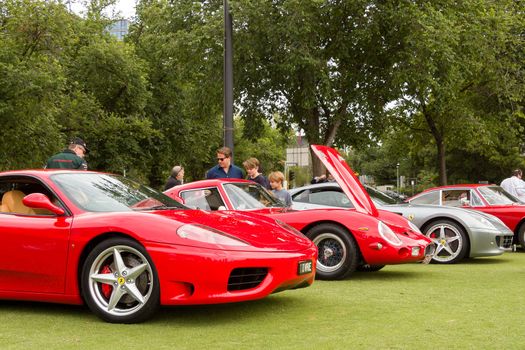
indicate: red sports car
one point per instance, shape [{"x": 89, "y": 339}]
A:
[
  {"x": 491, "y": 199},
  {"x": 363, "y": 238},
  {"x": 124, "y": 249}
]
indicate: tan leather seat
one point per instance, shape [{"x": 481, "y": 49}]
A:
[{"x": 12, "y": 203}]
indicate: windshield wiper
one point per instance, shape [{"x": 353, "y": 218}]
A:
[{"x": 158, "y": 207}]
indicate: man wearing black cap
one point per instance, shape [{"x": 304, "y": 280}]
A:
[{"x": 70, "y": 158}]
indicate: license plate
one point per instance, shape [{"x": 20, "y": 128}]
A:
[{"x": 304, "y": 267}]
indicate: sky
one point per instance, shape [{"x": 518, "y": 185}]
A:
[{"x": 125, "y": 7}]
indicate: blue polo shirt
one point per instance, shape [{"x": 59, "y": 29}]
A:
[{"x": 218, "y": 173}]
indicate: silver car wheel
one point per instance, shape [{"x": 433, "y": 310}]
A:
[
  {"x": 448, "y": 239},
  {"x": 120, "y": 280},
  {"x": 332, "y": 252}
]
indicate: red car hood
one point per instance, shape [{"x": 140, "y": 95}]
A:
[
  {"x": 257, "y": 230},
  {"x": 345, "y": 177}
]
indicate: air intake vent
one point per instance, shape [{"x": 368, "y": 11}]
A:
[
  {"x": 246, "y": 278},
  {"x": 505, "y": 241}
]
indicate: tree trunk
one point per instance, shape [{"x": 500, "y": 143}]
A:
[
  {"x": 442, "y": 163},
  {"x": 440, "y": 144},
  {"x": 317, "y": 166}
]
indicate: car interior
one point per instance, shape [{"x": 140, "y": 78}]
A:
[{"x": 12, "y": 193}]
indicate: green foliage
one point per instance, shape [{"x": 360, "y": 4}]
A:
[
  {"x": 31, "y": 79},
  {"x": 181, "y": 41},
  {"x": 450, "y": 76},
  {"x": 437, "y": 86},
  {"x": 269, "y": 148},
  {"x": 113, "y": 75},
  {"x": 312, "y": 62}
]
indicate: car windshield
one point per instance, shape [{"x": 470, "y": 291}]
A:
[
  {"x": 250, "y": 196},
  {"x": 110, "y": 193},
  {"x": 381, "y": 198},
  {"x": 496, "y": 195}
]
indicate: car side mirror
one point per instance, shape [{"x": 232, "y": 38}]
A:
[{"x": 41, "y": 201}]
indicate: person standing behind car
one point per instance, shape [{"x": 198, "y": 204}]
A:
[
  {"x": 70, "y": 158},
  {"x": 252, "y": 169},
  {"x": 276, "y": 182},
  {"x": 176, "y": 178},
  {"x": 224, "y": 169},
  {"x": 515, "y": 185}
]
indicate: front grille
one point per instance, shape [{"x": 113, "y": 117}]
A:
[
  {"x": 246, "y": 278},
  {"x": 504, "y": 242}
]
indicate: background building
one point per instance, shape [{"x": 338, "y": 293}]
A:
[{"x": 119, "y": 29}]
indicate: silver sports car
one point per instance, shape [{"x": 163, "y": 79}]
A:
[{"x": 458, "y": 233}]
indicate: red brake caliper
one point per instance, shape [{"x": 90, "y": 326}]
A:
[{"x": 106, "y": 288}]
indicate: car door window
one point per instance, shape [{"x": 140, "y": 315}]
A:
[
  {"x": 427, "y": 198},
  {"x": 13, "y": 191},
  {"x": 205, "y": 199},
  {"x": 302, "y": 197},
  {"x": 331, "y": 198},
  {"x": 475, "y": 200},
  {"x": 456, "y": 198}
]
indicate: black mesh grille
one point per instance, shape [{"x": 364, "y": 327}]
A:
[
  {"x": 246, "y": 278},
  {"x": 505, "y": 241}
]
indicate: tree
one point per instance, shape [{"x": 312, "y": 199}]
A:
[
  {"x": 181, "y": 41},
  {"x": 269, "y": 147},
  {"x": 63, "y": 76},
  {"x": 31, "y": 80},
  {"x": 318, "y": 64},
  {"x": 458, "y": 81}
]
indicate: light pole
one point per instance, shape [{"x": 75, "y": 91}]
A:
[
  {"x": 397, "y": 177},
  {"x": 228, "y": 78}
]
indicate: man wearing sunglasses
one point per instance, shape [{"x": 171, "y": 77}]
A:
[
  {"x": 224, "y": 168},
  {"x": 70, "y": 158}
]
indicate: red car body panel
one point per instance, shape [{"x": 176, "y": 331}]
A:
[
  {"x": 345, "y": 177},
  {"x": 363, "y": 226},
  {"x": 512, "y": 215},
  {"x": 42, "y": 255}
]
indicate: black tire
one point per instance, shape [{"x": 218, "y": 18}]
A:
[
  {"x": 338, "y": 254},
  {"x": 113, "y": 285},
  {"x": 451, "y": 241},
  {"x": 369, "y": 268},
  {"x": 521, "y": 236}
]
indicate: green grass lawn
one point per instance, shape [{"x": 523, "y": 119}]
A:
[{"x": 476, "y": 304}]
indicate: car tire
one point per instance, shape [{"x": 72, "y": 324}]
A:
[
  {"x": 119, "y": 282},
  {"x": 521, "y": 236},
  {"x": 338, "y": 254},
  {"x": 451, "y": 241},
  {"x": 369, "y": 268}
]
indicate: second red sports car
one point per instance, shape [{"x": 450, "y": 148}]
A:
[{"x": 363, "y": 238}]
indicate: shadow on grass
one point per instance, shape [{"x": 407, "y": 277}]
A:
[
  {"x": 190, "y": 315},
  {"x": 485, "y": 261},
  {"x": 202, "y": 315},
  {"x": 384, "y": 275},
  {"x": 30, "y": 308}
]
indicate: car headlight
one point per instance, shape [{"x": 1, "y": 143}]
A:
[
  {"x": 287, "y": 227},
  {"x": 205, "y": 234},
  {"x": 414, "y": 227},
  {"x": 387, "y": 234}
]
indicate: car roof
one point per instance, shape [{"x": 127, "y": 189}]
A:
[
  {"x": 45, "y": 172},
  {"x": 458, "y": 186}
]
